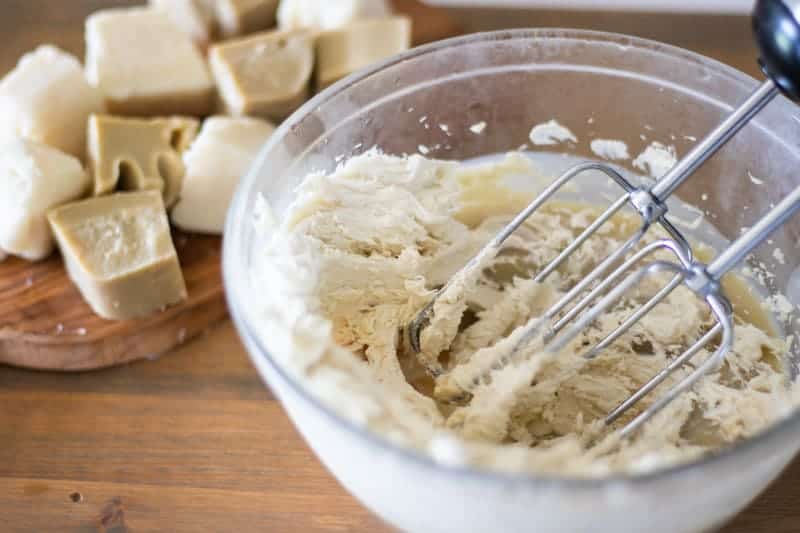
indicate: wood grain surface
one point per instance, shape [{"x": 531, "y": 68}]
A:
[{"x": 193, "y": 441}]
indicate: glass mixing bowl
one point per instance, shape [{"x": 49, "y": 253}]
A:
[{"x": 600, "y": 86}]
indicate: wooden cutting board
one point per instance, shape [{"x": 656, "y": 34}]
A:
[{"x": 45, "y": 324}]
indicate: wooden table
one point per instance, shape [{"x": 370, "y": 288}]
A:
[{"x": 194, "y": 441}]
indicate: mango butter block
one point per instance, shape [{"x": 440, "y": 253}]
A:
[
  {"x": 221, "y": 155},
  {"x": 47, "y": 99},
  {"x": 145, "y": 65},
  {"x": 266, "y": 75},
  {"x": 358, "y": 45},
  {"x": 238, "y": 17},
  {"x": 33, "y": 179},
  {"x": 138, "y": 154},
  {"x": 118, "y": 250}
]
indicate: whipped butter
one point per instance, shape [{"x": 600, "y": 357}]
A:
[{"x": 361, "y": 250}]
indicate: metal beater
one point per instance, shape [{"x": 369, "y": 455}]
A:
[{"x": 777, "y": 29}]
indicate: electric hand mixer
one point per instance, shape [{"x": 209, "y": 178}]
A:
[{"x": 777, "y": 30}]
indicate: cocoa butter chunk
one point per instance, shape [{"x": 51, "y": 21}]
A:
[
  {"x": 47, "y": 99},
  {"x": 221, "y": 155},
  {"x": 139, "y": 154},
  {"x": 118, "y": 250},
  {"x": 196, "y": 18},
  {"x": 343, "y": 51},
  {"x": 145, "y": 65},
  {"x": 239, "y": 17},
  {"x": 265, "y": 75},
  {"x": 34, "y": 178}
]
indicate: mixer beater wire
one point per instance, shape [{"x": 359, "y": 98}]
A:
[{"x": 627, "y": 267}]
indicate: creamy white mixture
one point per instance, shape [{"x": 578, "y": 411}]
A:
[
  {"x": 610, "y": 149},
  {"x": 550, "y": 133},
  {"x": 362, "y": 251},
  {"x": 656, "y": 159}
]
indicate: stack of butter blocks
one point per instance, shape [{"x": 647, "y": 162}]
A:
[
  {"x": 98, "y": 159},
  {"x": 269, "y": 74}
]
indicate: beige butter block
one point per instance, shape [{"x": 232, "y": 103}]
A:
[
  {"x": 47, "y": 99},
  {"x": 139, "y": 154},
  {"x": 196, "y": 18},
  {"x": 328, "y": 14},
  {"x": 239, "y": 17},
  {"x": 358, "y": 45},
  {"x": 221, "y": 155},
  {"x": 33, "y": 179},
  {"x": 145, "y": 65},
  {"x": 265, "y": 75},
  {"x": 118, "y": 250}
]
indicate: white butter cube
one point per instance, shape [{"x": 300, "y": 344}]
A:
[
  {"x": 327, "y": 14},
  {"x": 145, "y": 65},
  {"x": 195, "y": 18},
  {"x": 221, "y": 155},
  {"x": 33, "y": 179},
  {"x": 47, "y": 99}
]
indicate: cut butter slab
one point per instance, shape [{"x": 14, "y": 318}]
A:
[
  {"x": 47, "y": 99},
  {"x": 221, "y": 155},
  {"x": 239, "y": 17},
  {"x": 265, "y": 75},
  {"x": 145, "y": 65},
  {"x": 358, "y": 45},
  {"x": 328, "y": 14},
  {"x": 139, "y": 154},
  {"x": 33, "y": 179},
  {"x": 118, "y": 250}
]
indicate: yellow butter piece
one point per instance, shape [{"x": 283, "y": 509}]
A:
[
  {"x": 265, "y": 75},
  {"x": 139, "y": 154},
  {"x": 119, "y": 252}
]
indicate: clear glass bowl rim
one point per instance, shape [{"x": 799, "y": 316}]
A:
[{"x": 234, "y": 271}]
